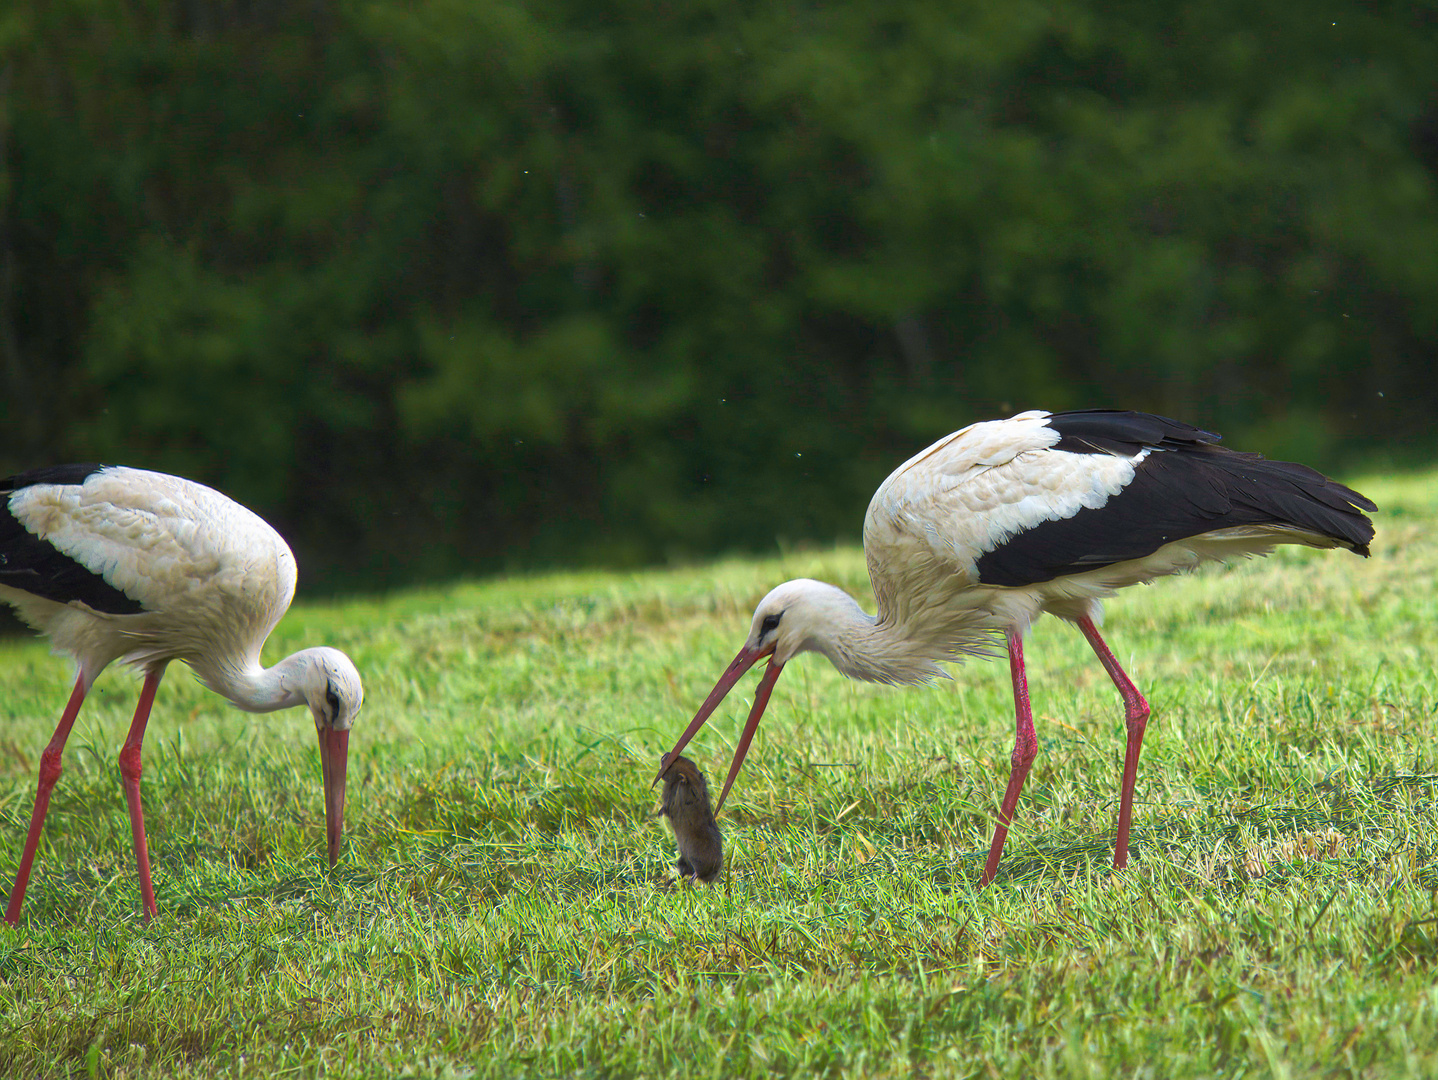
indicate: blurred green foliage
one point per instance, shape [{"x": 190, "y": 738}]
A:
[{"x": 446, "y": 286}]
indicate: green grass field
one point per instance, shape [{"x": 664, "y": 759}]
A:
[{"x": 505, "y": 907}]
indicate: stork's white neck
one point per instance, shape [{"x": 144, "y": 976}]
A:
[
  {"x": 867, "y": 649},
  {"x": 260, "y": 689},
  {"x": 818, "y": 617}
]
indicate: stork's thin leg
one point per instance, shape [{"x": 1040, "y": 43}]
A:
[
  {"x": 1026, "y": 747},
  {"x": 1135, "y": 719},
  {"x": 49, "y": 773},
  {"x": 130, "y": 771}
]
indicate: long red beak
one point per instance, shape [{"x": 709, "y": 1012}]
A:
[
  {"x": 334, "y": 760},
  {"x": 743, "y": 662}
]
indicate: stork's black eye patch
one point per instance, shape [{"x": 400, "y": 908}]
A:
[
  {"x": 770, "y": 623},
  {"x": 332, "y": 699}
]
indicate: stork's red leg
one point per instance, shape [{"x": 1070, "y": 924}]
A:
[
  {"x": 1026, "y": 748},
  {"x": 1135, "y": 719},
  {"x": 49, "y": 773},
  {"x": 130, "y": 772}
]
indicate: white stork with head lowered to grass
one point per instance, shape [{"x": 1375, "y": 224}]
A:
[
  {"x": 113, "y": 563},
  {"x": 1005, "y": 520}
]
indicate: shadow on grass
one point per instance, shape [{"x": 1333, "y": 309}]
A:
[{"x": 1274, "y": 843}]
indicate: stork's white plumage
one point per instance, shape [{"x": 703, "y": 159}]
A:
[
  {"x": 113, "y": 563},
  {"x": 998, "y": 523}
]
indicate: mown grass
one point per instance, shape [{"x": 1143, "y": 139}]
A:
[{"x": 504, "y": 906}]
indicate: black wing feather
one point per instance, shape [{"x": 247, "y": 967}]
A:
[
  {"x": 1185, "y": 487},
  {"x": 34, "y": 566},
  {"x": 1115, "y": 431}
]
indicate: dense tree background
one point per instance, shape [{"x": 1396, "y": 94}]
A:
[{"x": 447, "y": 286}]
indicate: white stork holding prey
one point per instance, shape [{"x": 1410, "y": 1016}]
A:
[
  {"x": 1005, "y": 520},
  {"x": 113, "y": 563}
]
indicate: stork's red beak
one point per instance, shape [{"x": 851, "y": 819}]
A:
[
  {"x": 334, "y": 760},
  {"x": 743, "y": 662}
]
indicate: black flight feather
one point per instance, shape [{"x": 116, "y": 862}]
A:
[
  {"x": 35, "y": 566},
  {"x": 1185, "y": 487}
]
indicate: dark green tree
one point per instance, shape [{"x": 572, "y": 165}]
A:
[{"x": 444, "y": 286}]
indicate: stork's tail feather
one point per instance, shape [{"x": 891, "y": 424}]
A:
[{"x": 1295, "y": 496}]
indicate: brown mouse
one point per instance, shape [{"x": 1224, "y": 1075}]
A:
[{"x": 686, "y": 805}]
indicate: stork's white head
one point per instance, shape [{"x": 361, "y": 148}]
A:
[
  {"x": 331, "y": 687},
  {"x": 802, "y": 615},
  {"x": 799, "y": 616}
]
